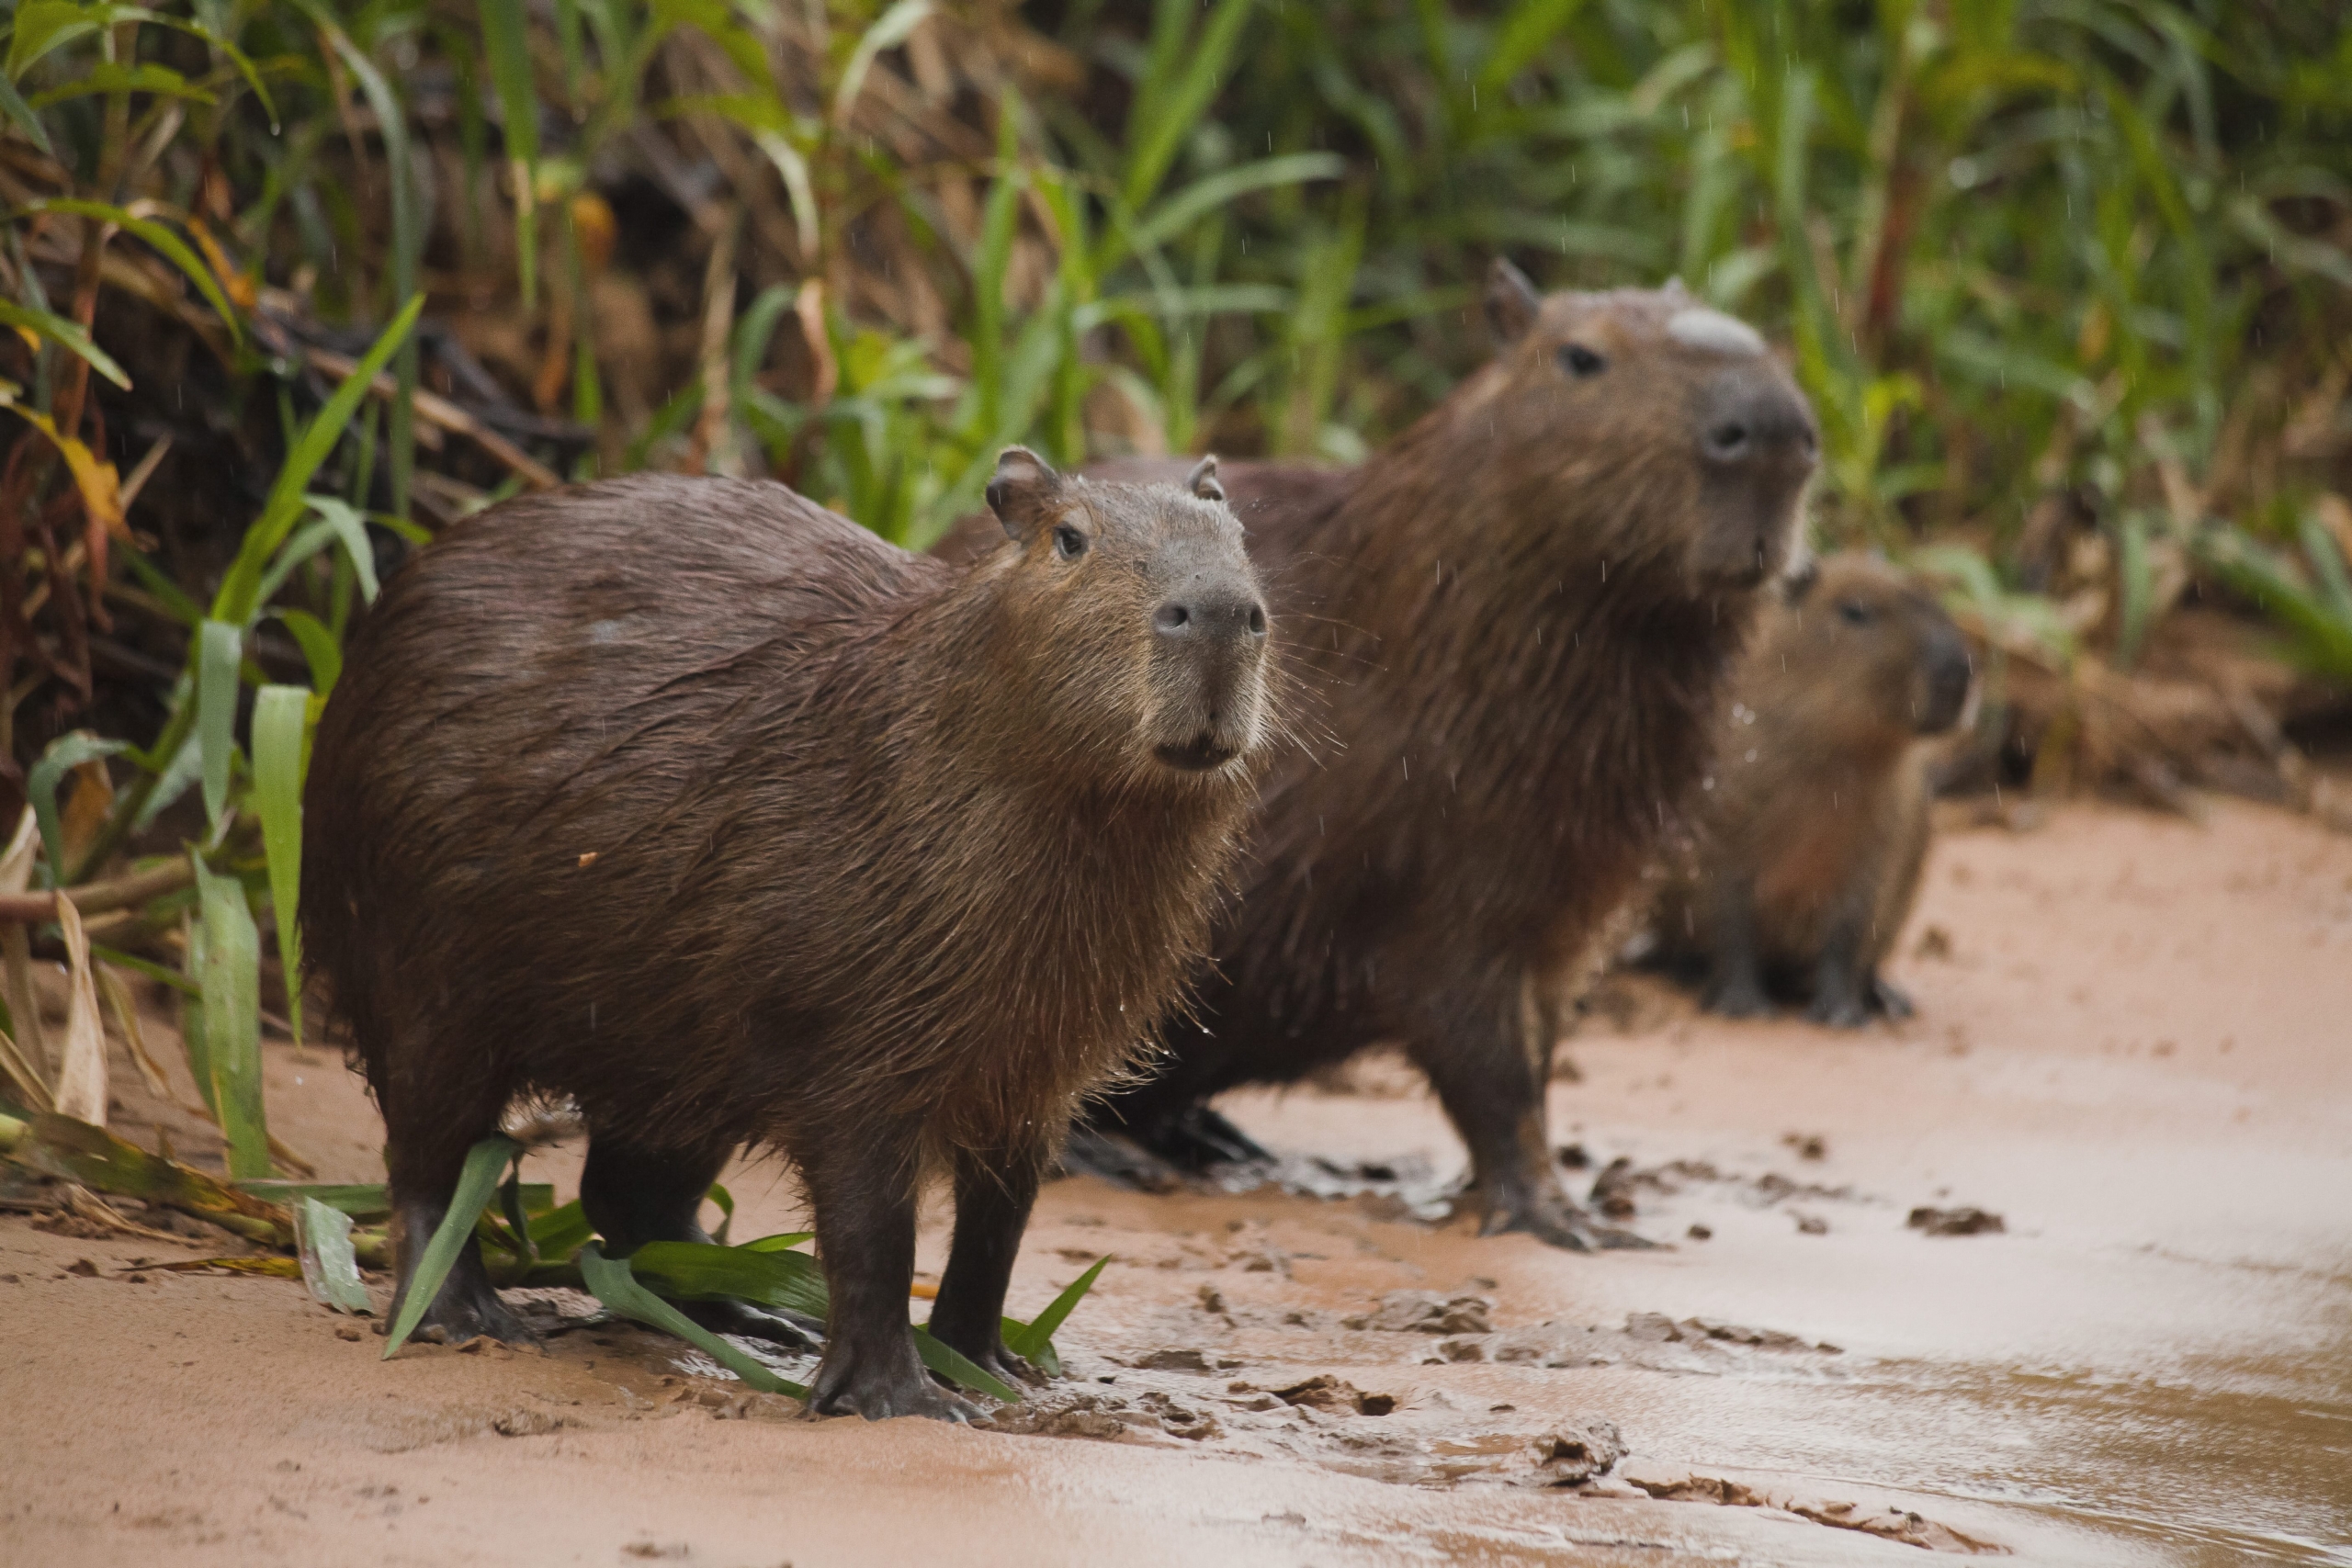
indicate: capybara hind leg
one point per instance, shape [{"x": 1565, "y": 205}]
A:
[
  {"x": 633, "y": 1195},
  {"x": 1492, "y": 1088},
  {"x": 1840, "y": 995},
  {"x": 1107, "y": 1154},
  {"x": 466, "y": 1307},
  {"x": 1734, "y": 983},
  {"x": 994, "y": 1195},
  {"x": 863, "y": 1183},
  {"x": 1886, "y": 999}
]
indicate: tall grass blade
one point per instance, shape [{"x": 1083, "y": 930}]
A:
[
  {"x": 230, "y": 976},
  {"x": 61, "y": 756},
  {"x": 221, "y": 649},
  {"x": 506, "y": 41},
  {"x": 1038, "y": 1336},
  {"x": 281, "y": 746}
]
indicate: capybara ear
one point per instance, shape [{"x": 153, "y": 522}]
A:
[
  {"x": 1674, "y": 290},
  {"x": 1511, "y": 301},
  {"x": 1022, "y": 492},
  {"x": 1201, "y": 480}
]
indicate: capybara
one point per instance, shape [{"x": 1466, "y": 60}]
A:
[
  {"x": 1813, "y": 825},
  {"x": 1514, "y": 623},
  {"x": 711, "y": 810}
]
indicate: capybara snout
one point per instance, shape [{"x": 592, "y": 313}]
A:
[
  {"x": 1208, "y": 650},
  {"x": 1943, "y": 677},
  {"x": 1757, "y": 449}
]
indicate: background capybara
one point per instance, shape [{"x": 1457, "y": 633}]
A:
[
  {"x": 1514, "y": 625},
  {"x": 714, "y": 811},
  {"x": 1811, "y": 831}
]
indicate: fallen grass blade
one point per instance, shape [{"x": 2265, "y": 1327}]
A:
[
  {"x": 613, "y": 1282},
  {"x": 1039, "y": 1333},
  {"x": 956, "y": 1367},
  {"x": 323, "y": 1236},
  {"x": 476, "y": 1185},
  {"x": 77, "y": 1151},
  {"x": 357, "y": 1201},
  {"x": 700, "y": 1272}
]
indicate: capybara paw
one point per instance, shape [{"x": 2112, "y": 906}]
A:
[
  {"x": 1838, "y": 1012},
  {"x": 1737, "y": 998},
  {"x": 884, "y": 1398},
  {"x": 1559, "y": 1223},
  {"x": 1008, "y": 1368},
  {"x": 1890, "y": 1000},
  {"x": 460, "y": 1316},
  {"x": 751, "y": 1323}
]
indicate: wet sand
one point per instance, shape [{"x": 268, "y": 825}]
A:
[{"x": 2134, "y": 1045}]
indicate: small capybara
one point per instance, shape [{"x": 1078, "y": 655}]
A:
[
  {"x": 713, "y": 811},
  {"x": 1813, "y": 823},
  {"x": 1514, "y": 623}
]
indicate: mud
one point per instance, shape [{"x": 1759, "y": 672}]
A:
[{"x": 2132, "y": 1048}]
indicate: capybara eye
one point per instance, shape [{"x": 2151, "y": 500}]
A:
[
  {"x": 1582, "y": 361},
  {"x": 1854, "y": 615},
  {"x": 1069, "y": 543}
]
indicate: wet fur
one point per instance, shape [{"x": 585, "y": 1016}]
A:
[
  {"x": 706, "y": 807},
  {"x": 1807, "y": 854},
  {"x": 1508, "y": 656}
]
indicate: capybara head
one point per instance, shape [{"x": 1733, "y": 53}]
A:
[
  {"x": 1865, "y": 642},
  {"x": 1671, "y": 412},
  {"x": 1148, "y": 578}
]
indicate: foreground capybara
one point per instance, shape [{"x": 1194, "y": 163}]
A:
[
  {"x": 1813, "y": 823},
  {"x": 1512, "y": 627},
  {"x": 713, "y": 811}
]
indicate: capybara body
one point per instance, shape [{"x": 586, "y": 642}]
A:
[
  {"x": 707, "y": 808},
  {"x": 1814, "y": 826},
  {"x": 1510, "y": 629}
]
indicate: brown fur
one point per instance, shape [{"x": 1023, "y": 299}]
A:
[
  {"x": 1528, "y": 602},
  {"x": 1815, "y": 818},
  {"x": 706, "y": 807}
]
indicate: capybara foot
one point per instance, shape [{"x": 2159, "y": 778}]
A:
[
  {"x": 1554, "y": 1218},
  {"x": 880, "y": 1391},
  {"x": 792, "y": 1332},
  {"x": 1890, "y": 1000},
  {"x": 1113, "y": 1157},
  {"x": 1737, "y": 998},
  {"x": 1198, "y": 1138},
  {"x": 1005, "y": 1366},
  {"x": 1833, "y": 1010},
  {"x": 469, "y": 1310}
]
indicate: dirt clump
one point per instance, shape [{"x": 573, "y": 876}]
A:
[
  {"x": 1426, "y": 1312},
  {"x": 1511, "y": 629},
  {"x": 1812, "y": 823},
  {"x": 1966, "y": 1221},
  {"x": 737, "y": 825}
]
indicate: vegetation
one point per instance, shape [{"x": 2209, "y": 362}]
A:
[{"x": 294, "y": 284}]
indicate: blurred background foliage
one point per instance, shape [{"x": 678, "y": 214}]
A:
[{"x": 290, "y": 285}]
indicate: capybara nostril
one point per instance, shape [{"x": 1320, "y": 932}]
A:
[
  {"x": 1211, "y": 617},
  {"x": 1728, "y": 442}
]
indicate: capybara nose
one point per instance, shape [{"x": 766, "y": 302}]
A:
[
  {"x": 1754, "y": 421},
  {"x": 1946, "y": 661},
  {"x": 1212, "y": 617}
]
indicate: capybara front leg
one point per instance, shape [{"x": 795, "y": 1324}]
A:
[
  {"x": 994, "y": 1195},
  {"x": 1735, "y": 984},
  {"x": 862, "y": 1181},
  {"x": 1491, "y": 1088}
]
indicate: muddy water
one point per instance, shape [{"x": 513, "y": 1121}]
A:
[{"x": 2135, "y": 1047}]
